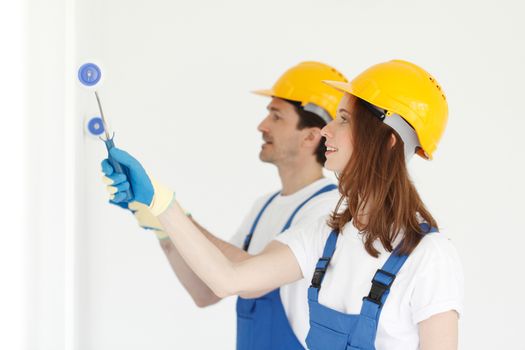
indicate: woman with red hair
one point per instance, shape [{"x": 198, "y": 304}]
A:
[{"x": 380, "y": 231}]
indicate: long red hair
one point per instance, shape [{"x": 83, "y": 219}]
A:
[{"x": 376, "y": 178}]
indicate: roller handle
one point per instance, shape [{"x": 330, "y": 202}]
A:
[{"x": 117, "y": 167}]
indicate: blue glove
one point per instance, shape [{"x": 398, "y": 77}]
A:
[
  {"x": 136, "y": 178},
  {"x": 140, "y": 211},
  {"x": 115, "y": 183},
  {"x": 156, "y": 197}
]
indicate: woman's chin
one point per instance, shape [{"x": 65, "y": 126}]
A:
[{"x": 329, "y": 165}]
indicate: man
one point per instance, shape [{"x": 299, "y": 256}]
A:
[{"x": 301, "y": 104}]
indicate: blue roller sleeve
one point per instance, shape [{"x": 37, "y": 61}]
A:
[
  {"x": 117, "y": 168},
  {"x": 89, "y": 74},
  {"x": 95, "y": 126}
]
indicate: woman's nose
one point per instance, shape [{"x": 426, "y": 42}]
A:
[{"x": 325, "y": 131}]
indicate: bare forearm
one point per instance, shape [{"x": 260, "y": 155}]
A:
[
  {"x": 201, "y": 294},
  {"x": 232, "y": 252},
  {"x": 224, "y": 276},
  {"x": 192, "y": 245}
]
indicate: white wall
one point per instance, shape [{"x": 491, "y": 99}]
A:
[
  {"x": 13, "y": 143},
  {"x": 177, "y": 77},
  {"x": 52, "y": 162}
]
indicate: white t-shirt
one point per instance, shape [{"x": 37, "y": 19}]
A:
[
  {"x": 294, "y": 295},
  {"x": 430, "y": 281}
]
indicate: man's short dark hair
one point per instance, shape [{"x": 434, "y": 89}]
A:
[{"x": 311, "y": 120}]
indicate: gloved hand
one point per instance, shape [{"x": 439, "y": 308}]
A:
[
  {"x": 145, "y": 191},
  {"x": 142, "y": 214}
]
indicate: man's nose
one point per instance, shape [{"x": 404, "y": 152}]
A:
[{"x": 263, "y": 125}]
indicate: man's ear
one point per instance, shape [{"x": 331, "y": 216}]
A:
[{"x": 313, "y": 136}]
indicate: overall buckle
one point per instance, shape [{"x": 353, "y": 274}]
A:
[
  {"x": 378, "y": 288},
  {"x": 319, "y": 273}
]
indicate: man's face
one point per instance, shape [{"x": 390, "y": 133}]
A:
[{"x": 282, "y": 139}]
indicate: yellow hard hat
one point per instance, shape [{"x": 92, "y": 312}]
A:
[
  {"x": 304, "y": 83},
  {"x": 403, "y": 88}
]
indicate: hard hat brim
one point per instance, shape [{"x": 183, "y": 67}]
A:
[
  {"x": 339, "y": 85},
  {"x": 268, "y": 93},
  {"x": 349, "y": 89}
]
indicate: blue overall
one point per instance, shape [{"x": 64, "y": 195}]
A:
[
  {"x": 262, "y": 322},
  {"x": 334, "y": 330}
]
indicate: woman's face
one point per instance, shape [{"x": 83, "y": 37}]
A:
[{"x": 338, "y": 134}]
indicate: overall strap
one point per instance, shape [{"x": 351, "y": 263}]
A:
[
  {"x": 248, "y": 238},
  {"x": 322, "y": 265},
  {"x": 327, "y": 188},
  {"x": 384, "y": 278}
]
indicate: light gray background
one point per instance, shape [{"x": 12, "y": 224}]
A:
[{"x": 176, "y": 91}]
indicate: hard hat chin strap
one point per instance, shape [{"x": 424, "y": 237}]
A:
[
  {"x": 406, "y": 132},
  {"x": 401, "y": 126},
  {"x": 319, "y": 111}
]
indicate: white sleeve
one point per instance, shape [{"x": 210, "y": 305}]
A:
[
  {"x": 238, "y": 238},
  {"x": 306, "y": 241},
  {"x": 439, "y": 285},
  {"x": 319, "y": 207}
]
